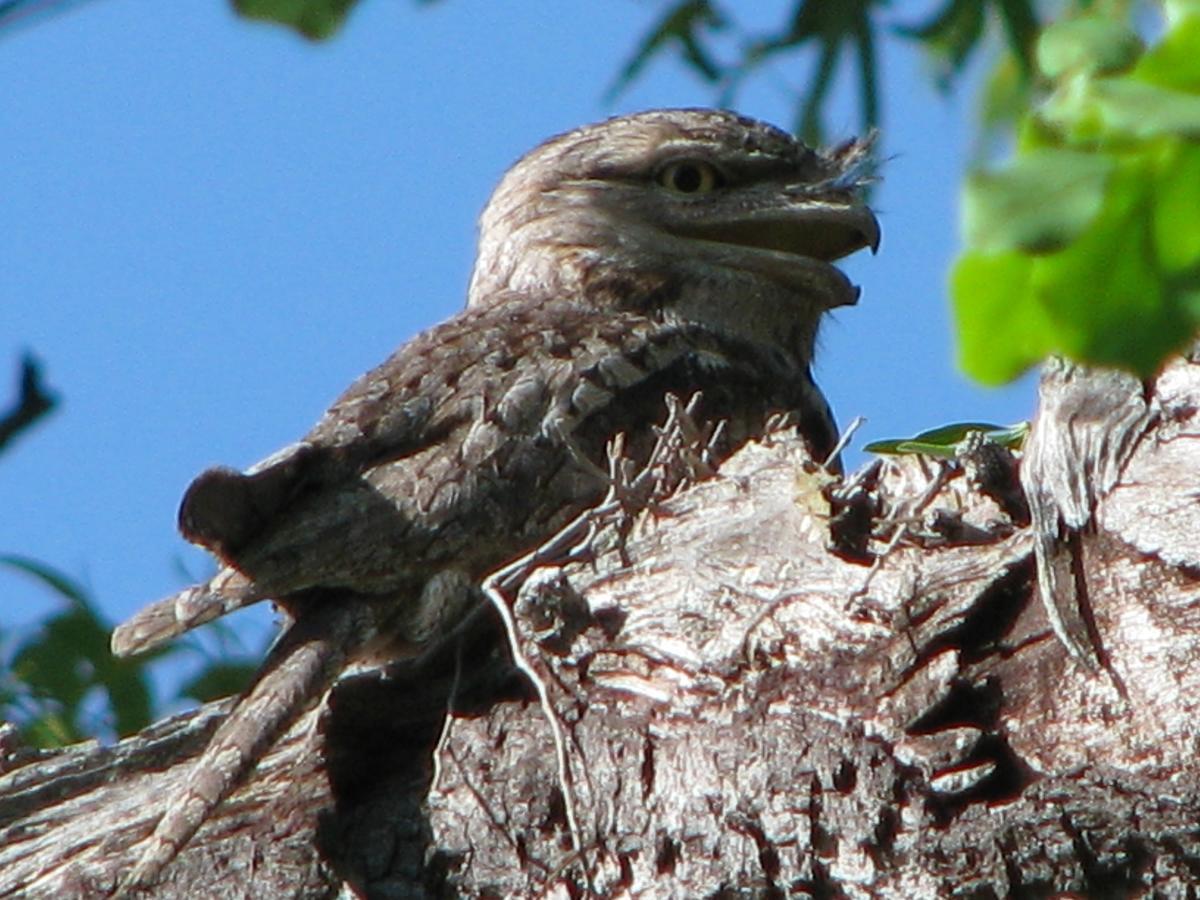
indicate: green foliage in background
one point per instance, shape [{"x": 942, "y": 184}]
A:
[
  {"x": 816, "y": 36},
  {"x": 316, "y": 19},
  {"x": 712, "y": 41},
  {"x": 1087, "y": 243},
  {"x": 59, "y": 683}
]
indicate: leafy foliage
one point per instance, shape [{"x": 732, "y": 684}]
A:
[
  {"x": 952, "y": 34},
  {"x": 682, "y": 27},
  {"x": 945, "y": 440},
  {"x": 316, "y": 19},
  {"x": 828, "y": 32},
  {"x": 713, "y": 42},
  {"x": 52, "y": 677},
  {"x": 1088, "y": 243},
  {"x": 60, "y": 683}
]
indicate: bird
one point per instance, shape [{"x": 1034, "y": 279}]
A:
[{"x": 672, "y": 251}]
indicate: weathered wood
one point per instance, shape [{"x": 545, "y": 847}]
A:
[{"x": 744, "y": 713}]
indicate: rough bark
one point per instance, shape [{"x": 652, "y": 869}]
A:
[{"x": 740, "y": 712}]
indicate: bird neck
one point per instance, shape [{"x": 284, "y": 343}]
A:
[
  {"x": 606, "y": 275},
  {"x": 724, "y": 301}
]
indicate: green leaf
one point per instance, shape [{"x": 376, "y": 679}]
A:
[
  {"x": 65, "y": 660},
  {"x": 1159, "y": 97},
  {"x": 1001, "y": 330},
  {"x": 50, "y": 730},
  {"x": 944, "y": 441},
  {"x": 56, "y": 664},
  {"x": 1178, "y": 10},
  {"x": 679, "y": 27},
  {"x": 1134, "y": 109},
  {"x": 808, "y": 124},
  {"x": 1089, "y": 44},
  {"x": 868, "y": 70},
  {"x": 686, "y": 26},
  {"x": 1177, "y": 200},
  {"x": 1088, "y": 245},
  {"x": 1123, "y": 293},
  {"x": 1004, "y": 99},
  {"x": 949, "y": 36},
  {"x": 1020, "y": 28},
  {"x": 1044, "y": 200},
  {"x": 1175, "y": 63},
  {"x": 956, "y": 30},
  {"x": 1106, "y": 292},
  {"x": 127, "y": 684},
  {"x": 315, "y": 19},
  {"x": 53, "y": 579},
  {"x": 1010, "y": 436}
]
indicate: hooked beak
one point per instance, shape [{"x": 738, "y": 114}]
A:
[
  {"x": 797, "y": 243},
  {"x": 817, "y": 230}
]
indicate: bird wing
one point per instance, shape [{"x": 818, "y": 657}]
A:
[{"x": 453, "y": 454}]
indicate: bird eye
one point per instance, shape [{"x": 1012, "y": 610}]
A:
[{"x": 690, "y": 176}]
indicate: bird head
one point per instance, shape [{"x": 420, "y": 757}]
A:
[{"x": 695, "y": 214}]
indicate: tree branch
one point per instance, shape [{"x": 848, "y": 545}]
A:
[
  {"x": 744, "y": 711},
  {"x": 33, "y": 402}
]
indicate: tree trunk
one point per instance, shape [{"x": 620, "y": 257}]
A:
[{"x": 723, "y": 705}]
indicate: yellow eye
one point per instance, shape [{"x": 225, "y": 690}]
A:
[{"x": 690, "y": 176}]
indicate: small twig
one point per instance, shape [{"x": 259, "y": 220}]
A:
[
  {"x": 443, "y": 740},
  {"x": 567, "y": 542},
  {"x": 769, "y": 608},
  {"x": 901, "y": 524},
  {"x": 626, "y": 494},
  {"x": 843, "y": 440},
  {"x": 522, "y": 662},
  {"x": 498, "y": 824}
]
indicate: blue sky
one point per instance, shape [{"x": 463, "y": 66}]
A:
[{"x": 209, "y": 227}]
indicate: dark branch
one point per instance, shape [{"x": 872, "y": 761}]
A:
[{"x": 33, "y": 402}]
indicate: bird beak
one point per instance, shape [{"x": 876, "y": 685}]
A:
[
  {"x": 834, "y": 231},
  {"x": 797, "y": 243},
  {"x": 818, "y": 230}
]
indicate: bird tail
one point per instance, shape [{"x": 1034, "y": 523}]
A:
[
  {"x": 168, "y": 618},
  {"x": 301, "y": 666}
]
